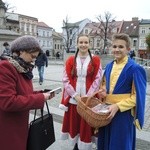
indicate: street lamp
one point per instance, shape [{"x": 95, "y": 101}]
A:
[{"x": 64, "y": 52}]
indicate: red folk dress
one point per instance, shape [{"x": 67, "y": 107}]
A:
[
  {"x": 16, "y": 99},
  {"x": 74, "y": 127}
]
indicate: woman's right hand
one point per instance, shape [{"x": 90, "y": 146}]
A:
[
  {"x": 113, "y": 109},
  {"x": 77, "y": 98},
  {"x": 48, "y": 95}
]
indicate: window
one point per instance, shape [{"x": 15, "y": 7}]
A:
[
  {"x": 143, "y": 30},
  {"x": 32, "y": 28},
  {"x": 43, "y": 33},
  {"x": 98, "y": 43},
  {"x": 47, "y": 43},
  {"x": 22, "y": 26},
  {"x": 40, "y": 43},
  {"x": 10, "y": 27},
  {"x": 142, "y": 43},
  {"x": 134, "y": 42},
  {"x": 43, "y": 43},
  {"x": 127, "y": 28},
  {"x": 70, "y": 31},
  {"x": 28, "y": 27},
  {"x": 91, "y": 43},
  {"x": 47, "y": 34},
  {"x": 86, "y": 31}
]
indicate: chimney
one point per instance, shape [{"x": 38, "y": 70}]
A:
[{"x": 135, "y": 18}]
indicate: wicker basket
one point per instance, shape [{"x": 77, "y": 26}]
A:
[{"x": 95, "y": 120}]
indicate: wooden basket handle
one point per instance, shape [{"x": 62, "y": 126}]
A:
[
  {"x": 99, "y": 91},
  {"x": 89, "y": 98}
]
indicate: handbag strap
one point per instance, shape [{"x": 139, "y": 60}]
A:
[
  {"x": 34, "y": 114},
  {"x": 42, "y": 111},
  {"x": 47, "y": 108}
]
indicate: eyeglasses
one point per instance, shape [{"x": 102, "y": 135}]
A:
[
  {"x": 33, "y": 56},
  {"x": 119, "y": 46}
]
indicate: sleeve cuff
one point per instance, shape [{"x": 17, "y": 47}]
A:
[
  {"x": 63, "y": 107},
  {"x": 73, "y": 96}
]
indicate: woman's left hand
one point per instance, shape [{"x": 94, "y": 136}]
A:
[{"x": 101, "y": 93}]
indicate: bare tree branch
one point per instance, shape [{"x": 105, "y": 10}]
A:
[
  {"x": 105, "y": 28},
  {"x": 9, "y": 8},
  {"x": 69, "y": 34}
]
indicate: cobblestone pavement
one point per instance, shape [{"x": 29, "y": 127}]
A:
[{"x": 52, "y": 80}]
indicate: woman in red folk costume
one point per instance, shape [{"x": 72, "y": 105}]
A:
[{"x": 82, "y": 76}]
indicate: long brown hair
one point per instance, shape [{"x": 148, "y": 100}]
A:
[{"x": 76, "y": 54}]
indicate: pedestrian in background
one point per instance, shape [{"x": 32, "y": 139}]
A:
[
  {"x": 131, "y": 54},
  {"x": 57, "y": 55},
  {"x": 47, "y": 53},
  {"x": 125, "y": 83},
  {"x": 16, "y": 93},
  {"x": 41, "y": 62},
  {"x": 7, "y": 51},
  {"x": 82, "y": 76}
]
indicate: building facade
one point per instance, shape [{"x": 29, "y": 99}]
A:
[
  {"x": 71, "y": 32},
  {"x": 7, "y": 32},
  {"x": 44, "y": 36},
  {"x": 28, "y": 25},
  {"x": 58, "y": 47},
  {"x": 144, "y": 30},
  {"x": 94, "y": 31}
]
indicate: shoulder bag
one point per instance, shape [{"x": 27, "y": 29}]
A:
[{"x": 41, "y": 131}]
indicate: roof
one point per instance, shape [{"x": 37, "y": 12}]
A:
[
  {"x": 97, "y": 26},
  {"x": 57, "y": 35},
  {"x": 42, "y": 24},
  {"x": 145, "y": 21},
  {"x": 25, "y": 16},
  {"x": 130, "y": 28},
  {"x": 76, "y": 24}
]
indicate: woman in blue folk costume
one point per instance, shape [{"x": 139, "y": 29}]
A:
[{"x": 125, "y": 84}]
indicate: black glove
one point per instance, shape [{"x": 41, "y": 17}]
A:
[{"x": 46, "y": 90}]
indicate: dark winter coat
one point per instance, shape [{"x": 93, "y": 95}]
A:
[{"x": 41, "y": 60}]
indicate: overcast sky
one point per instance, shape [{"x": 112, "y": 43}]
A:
[{"x": 52, "y": 12}]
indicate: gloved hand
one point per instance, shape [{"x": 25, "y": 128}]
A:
[{"x": 46, "y": 90}]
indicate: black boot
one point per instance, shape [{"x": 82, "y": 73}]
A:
[{"x": 76, "y": 147}]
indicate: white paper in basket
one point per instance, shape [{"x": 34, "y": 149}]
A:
[{"x": 100, "y": 108}]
